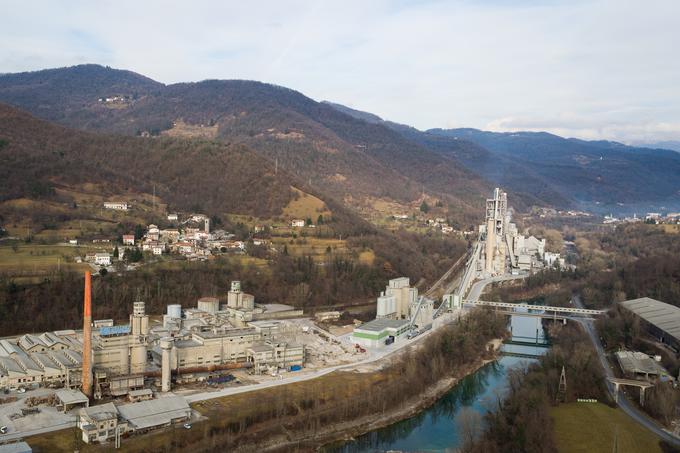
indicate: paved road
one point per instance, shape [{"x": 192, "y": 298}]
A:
[
  {"x": 478, "y": 287},
  {"x": 624, "y": 403}
]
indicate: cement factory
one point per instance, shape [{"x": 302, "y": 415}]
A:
[
  {"x": 500, "y": 250},
  {"x": 151, "y": 362},
  {"x": 504, "y": 249},
  {"x": 113, "y": 360}
]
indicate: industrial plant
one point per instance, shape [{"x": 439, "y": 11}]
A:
[{"x": 113, "y": 360}]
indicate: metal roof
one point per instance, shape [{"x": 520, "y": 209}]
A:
[
  {"x": 378, "y": 325},
  {"x": 664, "y": 316},
  {"x": 100, "y": 412},
  {"x": 114, "y": 330},
  {"x": 149, "y": 414},
  {"x": 639, "y": 362},
  {"x": 67, "y": 396}
]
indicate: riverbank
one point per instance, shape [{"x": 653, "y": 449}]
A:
[
  {"x": 302, "y": 416},
  {"x": 350, "y": 429}
]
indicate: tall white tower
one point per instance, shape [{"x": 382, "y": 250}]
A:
[
  {"x": 496, "y": 226},
  {"x": 139, "y": 326}
]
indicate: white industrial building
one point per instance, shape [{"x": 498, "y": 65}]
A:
[
  {"x": 373, "y": 334},
  {"x": 397, "y": 299}
]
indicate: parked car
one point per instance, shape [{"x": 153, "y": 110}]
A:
[
  {"x": 3, "y": 430},
  {"x": 187, "y": 426}
]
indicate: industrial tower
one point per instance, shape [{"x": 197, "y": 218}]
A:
[{"x": 496, "y": 226}]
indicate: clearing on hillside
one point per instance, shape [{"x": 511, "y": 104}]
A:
[{"x": 305, "y": 206}]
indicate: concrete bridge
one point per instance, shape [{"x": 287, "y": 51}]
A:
[{"x": 642, "y": 385}]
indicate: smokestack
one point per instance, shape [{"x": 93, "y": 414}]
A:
[{"x": 87, "y": 337}]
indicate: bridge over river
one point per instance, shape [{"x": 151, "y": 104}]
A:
[{"x": 541, "y": 311}]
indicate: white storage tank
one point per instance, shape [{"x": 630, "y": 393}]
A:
[
  {"x": 175, "y": 311},
  {"x": 209, "y": 304}
]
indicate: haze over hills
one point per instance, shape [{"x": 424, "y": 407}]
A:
[
  {"x": 546, "y": 168},
  {"x": 348, "y": 158},
  {"x": 588, "y": 172}
]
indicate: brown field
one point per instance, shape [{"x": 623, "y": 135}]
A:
[
  {"x": 316, "y": 247},
  {"x": 332, "y": 388},
  {"x": 31, "y": 260},
  {"x": 182, "y": 129},
  {"x": 306, "y": 206}
]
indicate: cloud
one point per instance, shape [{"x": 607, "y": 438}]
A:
[{"x": 592, "y": 69}]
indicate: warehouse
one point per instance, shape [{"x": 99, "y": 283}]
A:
[
  {"x": 638, "y": 365},
  {"x": 373, "y": 334},
  {"x": 660, "y": 319},
  {"x": 148, "y": 415}
]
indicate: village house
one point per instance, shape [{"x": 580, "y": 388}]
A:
[
  {"x": 102, "y": 259},
  {"x": 297, "y": 223},
  {"x": 117, "y": 205},
  {"x": 153, "y": 232},
  {"x": 173, "y": 217},
  {"x": 128, "y": 239}
]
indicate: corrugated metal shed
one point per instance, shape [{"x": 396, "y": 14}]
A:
[
  {"x": 664, "y": 316},
  {"x": 155, "y": 413}
]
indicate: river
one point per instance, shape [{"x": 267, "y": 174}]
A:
[{"x": 436, "y": 429}]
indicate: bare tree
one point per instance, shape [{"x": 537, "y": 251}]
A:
[{"x": 469, "y": 423}]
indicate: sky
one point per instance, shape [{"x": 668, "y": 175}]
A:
[{"x": 602, "y": 69}]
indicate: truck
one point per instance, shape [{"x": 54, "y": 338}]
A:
[{"x": 389, "y": 340}]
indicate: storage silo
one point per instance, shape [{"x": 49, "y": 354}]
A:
[
  {"x": 209, "y": 304},
  {"x": 174, "y": 311}
]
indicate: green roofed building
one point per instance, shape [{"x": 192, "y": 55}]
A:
[{"x": 373, "y": 334}]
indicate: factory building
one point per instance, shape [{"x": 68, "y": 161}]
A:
[
  {"x": 192, "y": 340},
  {"x": 502, "y": 245},
  {"x": 272, "y": 355},
  {"x": 661, "y": 320},
  {"x": 373, "y": 334},
  {"x": 105, "y": 422},
  {"x": 397, "y": 299},
  {"x": 494, "y": 229}
]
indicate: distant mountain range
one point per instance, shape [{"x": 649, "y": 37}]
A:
[
  {"x": 348, "y": 158},
  {"x": 350, "y": 155},
  {"x": 599, "y": 175},
  {"x": 673, "y": 145}
]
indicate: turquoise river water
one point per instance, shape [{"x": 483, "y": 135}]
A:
[{"x": 436, "y": 429}]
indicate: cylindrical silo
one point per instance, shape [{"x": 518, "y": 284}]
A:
[
  {"x": 166, "y": 348},
  {"x": 175, "y": 311}
]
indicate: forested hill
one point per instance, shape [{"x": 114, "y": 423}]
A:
[
  {"x": 345, "y": 157},
  {"x": 543, "y": 168},
  {"x": 591, "y": 172},
  {"x": 59, "y": 94},
  {"x": 203, "y": 175}
]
